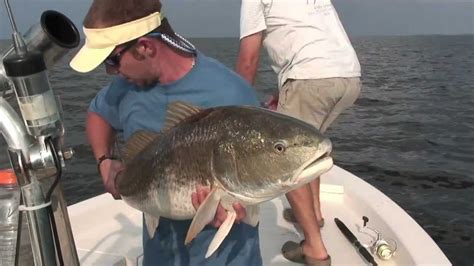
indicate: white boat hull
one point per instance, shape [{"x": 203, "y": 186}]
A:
[{"x": 109, "y": 232}]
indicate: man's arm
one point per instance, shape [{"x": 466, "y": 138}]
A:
[
  {"x": 249, "y": 55},
  {"x": 100, "y": 134},
  {"x": 101, "y": 137}
]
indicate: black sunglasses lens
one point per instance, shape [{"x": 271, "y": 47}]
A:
[{"x": 112, "y": 60}]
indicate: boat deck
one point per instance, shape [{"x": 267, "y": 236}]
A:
[{"x": 109, "y": 232}]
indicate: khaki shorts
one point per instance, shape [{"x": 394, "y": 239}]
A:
[{"x": 318, "y": 101}]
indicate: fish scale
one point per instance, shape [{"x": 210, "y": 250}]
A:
[{"x": 187, "y": 165}]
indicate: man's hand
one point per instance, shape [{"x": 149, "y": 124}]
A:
[
  {"x": 272, "y": 103},
  {"x": 110, "y": 169},
  {"x": 200, "y": 195}
]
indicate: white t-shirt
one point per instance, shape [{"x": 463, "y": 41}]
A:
[{"x": 304, "y": 38}]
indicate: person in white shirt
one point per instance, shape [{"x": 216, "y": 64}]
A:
[{"x": 318, "y": 78}]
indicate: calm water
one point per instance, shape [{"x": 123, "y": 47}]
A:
[{"x": 410, "y": 134}]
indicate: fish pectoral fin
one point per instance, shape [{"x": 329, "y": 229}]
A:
[
  {"x": 252, "y": 216},
  {"x": 222, "y": 232},
  {"x": 204, "y": 215},
  {"x": 288, "y": 184},
  {"x": 151, "y": 223}
]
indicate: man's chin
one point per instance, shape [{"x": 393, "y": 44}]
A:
[{"x": 143, "y": 84}]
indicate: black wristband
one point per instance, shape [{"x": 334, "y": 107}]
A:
[{"x": 103, "y": 158}]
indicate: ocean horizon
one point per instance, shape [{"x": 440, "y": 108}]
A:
[{"x": 410, "y": 134}]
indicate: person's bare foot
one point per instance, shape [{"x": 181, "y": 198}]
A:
[{"x": 314, "y": 252}]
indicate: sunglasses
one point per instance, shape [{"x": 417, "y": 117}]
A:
[{"x": 114, "y": 60}]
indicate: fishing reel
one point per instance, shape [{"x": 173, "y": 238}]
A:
[{"x": 383, "y": 248}]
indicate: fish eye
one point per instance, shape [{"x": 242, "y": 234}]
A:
[{"x": 279, "y": 147}]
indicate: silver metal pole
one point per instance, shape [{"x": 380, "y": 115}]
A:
[
  {"x": 20, "y": 46},
  {"x": 39, "y": 224}
]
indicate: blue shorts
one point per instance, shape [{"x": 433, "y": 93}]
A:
[{"x": 240, "y": 247}]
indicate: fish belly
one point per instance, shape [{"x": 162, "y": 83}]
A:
[{"x": 174, "y": 202}]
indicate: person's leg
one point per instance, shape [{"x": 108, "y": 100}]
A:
[
  {"x": 301, "y": 199},
  {"x": 315, "y": 185},
  {"x": 288, "y": 214},
  {"x": 307, "y": 100},
  {"x": 166, "y": 247},
  {"x": 348, "y": 90},
  {"x": 318, "y": 102},
  {"x": 301, "y": 203}
]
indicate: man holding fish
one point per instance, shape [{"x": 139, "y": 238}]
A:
[
  {"x": 188, "y": 122},
  {"x": 153, "y": 67}
]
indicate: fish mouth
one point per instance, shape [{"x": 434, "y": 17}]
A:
[{"x": 320, "y": 163}]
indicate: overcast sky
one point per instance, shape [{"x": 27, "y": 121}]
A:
[{"x": 220, "y": 18}]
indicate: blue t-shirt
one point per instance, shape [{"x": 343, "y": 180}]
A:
[
  {"x": 209, "y": 84},
  {"x": 128, "y": 108}
]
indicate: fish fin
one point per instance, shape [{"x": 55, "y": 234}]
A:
[
  {"x": 180, "y": 111},
  {"x": 204, "y": 215},
  {"x": 252, "y": 216},
  {"x": 136, "y": 143},
  {"x": 222, "y": 232},
  {"x": 151, "y": 223}
]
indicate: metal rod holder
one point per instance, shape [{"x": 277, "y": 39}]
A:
[{"x": 36, "y": 152}]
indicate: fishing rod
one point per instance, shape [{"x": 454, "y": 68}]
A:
[{"x": 353, "y": 240}]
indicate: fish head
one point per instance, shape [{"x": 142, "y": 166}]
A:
[{"x": 269, "y": 154}]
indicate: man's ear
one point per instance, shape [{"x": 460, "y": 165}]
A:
[{"x": 146, "y": 47}]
